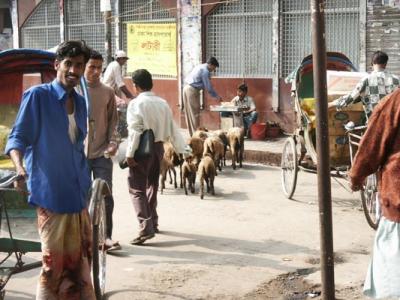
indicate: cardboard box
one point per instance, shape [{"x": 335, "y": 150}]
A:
[
  {"x": 337, "y": 120},
  {"x": 342, "y": 83}
]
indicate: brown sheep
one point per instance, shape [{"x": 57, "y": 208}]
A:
[
  {"x": 207, "y": 173},
  {"x": 197, "y": 146},
  {"x": 236, "y": 145},
  {"x": 214, "y": 146},
  {"x": 202, "y": 134},
  {"x": 224, "y": 138},
  {"x": 189, "y": 170},
  {"x": 168, "y": 163}
]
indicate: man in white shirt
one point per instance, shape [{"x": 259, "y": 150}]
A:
[
  {"x": 113, "y": 75},
  {"x": 148, "y": 111},
  {"x": 114, "y": 79}
]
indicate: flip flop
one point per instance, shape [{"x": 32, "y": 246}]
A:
[{"x": 114, "y": 247}]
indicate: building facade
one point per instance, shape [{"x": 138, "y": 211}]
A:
[{"x": 256, "y": 41}]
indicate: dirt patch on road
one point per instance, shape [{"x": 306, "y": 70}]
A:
[{"x": 291, "y": 286}]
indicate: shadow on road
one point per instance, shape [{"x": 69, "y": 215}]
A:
[{"x": 217, "y": 250}]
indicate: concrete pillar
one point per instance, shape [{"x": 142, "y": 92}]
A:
[
  {"x": 276, "y": 56},
  {"x": 189, "y": 39},
  {"x": 14, "y": 20},
  {"x": 363, "y": 36},
  {"x": 63, "y": 24}
]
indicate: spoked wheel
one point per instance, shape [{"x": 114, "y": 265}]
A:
[
  {"x": 370, "y": 201},
  {"x": 289, "y": 167},
  {"x": 98, "y": 216}
]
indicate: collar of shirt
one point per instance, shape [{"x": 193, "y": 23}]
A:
[{"x": 61, "y": 92}]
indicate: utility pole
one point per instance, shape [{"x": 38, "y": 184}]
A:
[
  {"x": 105, "y": 7},
  {"x": 323, "y": 164}
]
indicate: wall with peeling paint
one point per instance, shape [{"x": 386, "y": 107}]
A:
[{"x": 383, "y": 31}]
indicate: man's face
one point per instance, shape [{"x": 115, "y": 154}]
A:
[
  {"x": 211, "y": 67},
  {"x": 70, "y": 70},
  {"x": 241, "y": 94},
  {"x": 122, "y": 60},
  {"x": 93, "y": 70}
]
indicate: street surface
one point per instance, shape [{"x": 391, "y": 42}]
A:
[{"x": 233, "y": 245}]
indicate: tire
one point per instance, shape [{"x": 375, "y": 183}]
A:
[
  {"x": 98, "y": 216},
  {"x": 289, "y": 167},
  {"x": 369, "y": 196}
]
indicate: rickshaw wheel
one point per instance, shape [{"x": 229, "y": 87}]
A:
[
  {"x": 369, "y": 201},
  {"x": 289, "y": 167},
  {"x": 98, "y": 216}
]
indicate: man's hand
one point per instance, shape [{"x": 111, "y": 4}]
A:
[
  {"x": 20, "y": 184},
  {"x": 332, "y": 105},
  {"x": 355, "y": 186},
  {"x": 131, "y": 162},
  {"x": 112, "y": 148}
]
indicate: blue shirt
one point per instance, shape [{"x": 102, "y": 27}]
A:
[
  {"x": 58, "y": 174},
  {"x": 199, "y": 78}
]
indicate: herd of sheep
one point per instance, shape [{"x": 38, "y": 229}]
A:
[{"x": 208, "y": 157}]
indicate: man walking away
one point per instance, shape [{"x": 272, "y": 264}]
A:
[
  {"x": 101, "y": 142},
  {"x": 49, "y": 133},
  {"x": 198, "y": 79},
  {"x": 148, "y": 111}
]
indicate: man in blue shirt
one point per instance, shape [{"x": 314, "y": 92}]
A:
[
  {"x": 198, "y": 79},
  {"x": 49, "y": 133}
]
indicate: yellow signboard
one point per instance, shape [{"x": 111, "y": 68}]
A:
[{"x": 152, "y": 47}]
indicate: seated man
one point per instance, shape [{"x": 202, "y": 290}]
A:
[{"x": 248, "y": 115}]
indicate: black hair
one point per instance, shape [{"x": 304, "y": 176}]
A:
[
  {"x": 213, "y": 61},
  {"x": 379, "y": 58},
  {"x": 142, "y": 78},
  {"x": 72, "y": 49},
  {"x": 95, "y": 55},
  {"x": 243, "y": 87}
]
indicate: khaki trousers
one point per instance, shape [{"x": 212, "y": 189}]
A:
[{"x": 191, "y": 104}]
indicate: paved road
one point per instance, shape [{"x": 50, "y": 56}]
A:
[{"x": 225, "y": 246}]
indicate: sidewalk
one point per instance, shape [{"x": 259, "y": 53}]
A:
[{"x": 267, "y": 152}]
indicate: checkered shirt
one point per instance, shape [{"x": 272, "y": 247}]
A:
[{"x": 371, "y": 89}]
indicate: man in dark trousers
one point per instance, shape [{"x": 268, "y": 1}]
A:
[{"x": 148, "y": 111}]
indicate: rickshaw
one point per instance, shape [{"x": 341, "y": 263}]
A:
[
  {"x": 20, "y": 68},
  {"x": 346, "y": 128}
]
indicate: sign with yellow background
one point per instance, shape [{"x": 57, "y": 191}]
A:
[{"x": 153, "y": 47}]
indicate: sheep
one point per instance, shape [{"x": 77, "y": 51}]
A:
[
  {"x": 200, "y": 133},
  {"x": 168, "y": 163},
  {"x": 197, "y": 146},
  {"x": 189, "y": 170},
  {"x": 224, "y": 138},
  {"x": 214, "y": 146},
  {"x": 236, "y": 145},
  {"x": 207, "y": 173}
]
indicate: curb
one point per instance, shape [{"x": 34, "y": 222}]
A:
[{"x": 260, "y": 157}]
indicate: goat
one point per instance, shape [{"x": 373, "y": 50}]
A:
[
  {"x": 189, "y": 170},
  {"x": 236, "y": 145},
  {"x": 168, "y": 163},
  {"x": 200, "y": 133},
  {"x": 207, "y": 173},
  {"x": 224, "y": 138},
  {"x": 214, "y": 146},
  {"x": 197, "y": 146}
]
